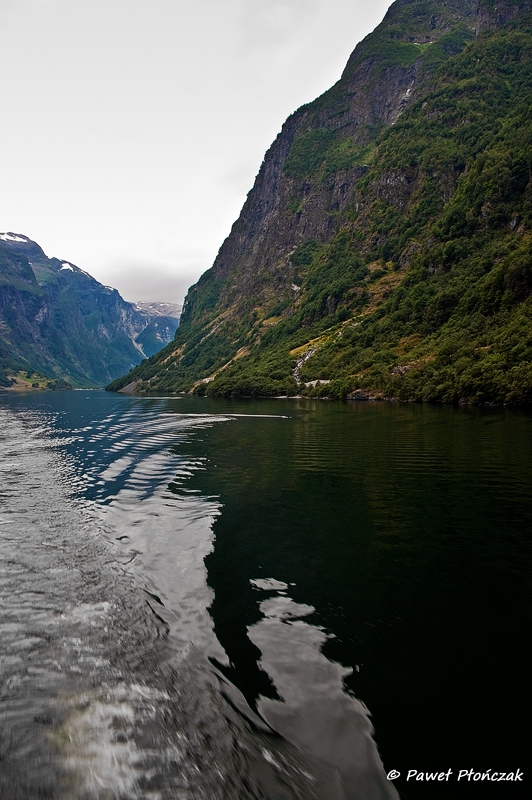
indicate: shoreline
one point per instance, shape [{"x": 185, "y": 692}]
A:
[{"x": 357, "y": 396}]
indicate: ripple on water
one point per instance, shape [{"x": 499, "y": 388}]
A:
[{"x": 95, "y": 702}]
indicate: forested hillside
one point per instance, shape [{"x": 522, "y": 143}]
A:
[{"x": 385, "y": 249}]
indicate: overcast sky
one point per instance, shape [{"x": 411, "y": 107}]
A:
[{"x": 132, "y": 129}]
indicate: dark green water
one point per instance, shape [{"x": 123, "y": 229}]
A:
[
  {"x": 408, "y": 530},
  {"x": 398, "y": 540}
]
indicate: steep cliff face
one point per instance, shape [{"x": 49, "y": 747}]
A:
[
  {"x": 57, "y": 320},
  {"x": 296, "y": 198},
  {"x": 494, "y": 14},
  {"x": 384, "y": 216},
  {"x": 21, "y": 302}
]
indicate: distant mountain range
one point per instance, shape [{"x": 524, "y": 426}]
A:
[
  {"x": 385, "y": 249},
  {"x": 56, "y": 320}
]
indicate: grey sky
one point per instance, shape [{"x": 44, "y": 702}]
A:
[{"x": 133, "y": 129}]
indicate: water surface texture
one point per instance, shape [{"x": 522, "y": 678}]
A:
[{"x": 270, "y": 599}]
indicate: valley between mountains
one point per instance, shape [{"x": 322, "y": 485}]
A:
[{"x": 60, "y": 328}]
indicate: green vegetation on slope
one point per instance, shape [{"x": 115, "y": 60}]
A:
[
  {"x": 326, "y": 152},
  {"x": 59, "y": 322},
  {"x": 425, "y": 292}
]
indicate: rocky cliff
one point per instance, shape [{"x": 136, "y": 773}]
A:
[
  {"x": 295, "y": 198},
  {"x": 55, "y": 319},
  {"x": 361, "y": 220},
  {"x": 493, "y": 14}
]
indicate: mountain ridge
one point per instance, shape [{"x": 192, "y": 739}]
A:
[
  {"x": 351, "y": 224},
  {"x": 58, "y": 321}
]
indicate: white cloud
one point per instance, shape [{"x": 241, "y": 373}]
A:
[
  {"x": 147, "y": 122},
  {"x": 149, "y": 281}
]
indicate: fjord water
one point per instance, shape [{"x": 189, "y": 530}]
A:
[{"x": 305, "y": 562}]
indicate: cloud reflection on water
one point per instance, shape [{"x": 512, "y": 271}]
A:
[{"x": 316, "y": 713}]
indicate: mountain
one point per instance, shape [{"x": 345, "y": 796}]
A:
[
  {"x": 58, "y": 321},
  {"x": 172, "y": 310},
  {"x": 162, "y": 320},
  {"x": 384, "y": 249}
]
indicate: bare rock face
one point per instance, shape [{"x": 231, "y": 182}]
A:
[
  {"x": 324, "y": 231},
  {"x": 296, "y": 199},
  {"x": 495, "y": 13}
]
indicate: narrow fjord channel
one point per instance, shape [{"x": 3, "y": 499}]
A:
[{"x": 261, "y": 599}]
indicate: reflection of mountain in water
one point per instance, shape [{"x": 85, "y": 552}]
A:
[
  {"x": 145, "y": 669},
  {"x": 109, "y": 689}
]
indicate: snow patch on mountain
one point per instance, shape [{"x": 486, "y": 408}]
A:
[{"x": 12, "y": 237}]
